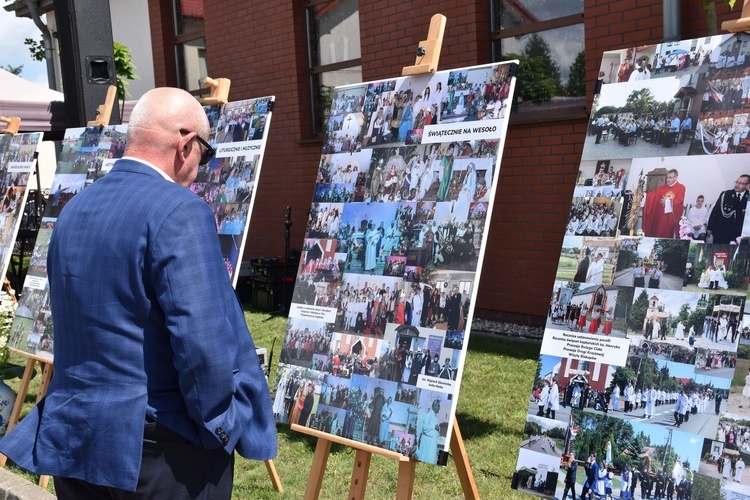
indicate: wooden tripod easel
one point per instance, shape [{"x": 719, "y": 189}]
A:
[
  {"x": 406, "y": 466},
  {"x": 428, "y": 55}
]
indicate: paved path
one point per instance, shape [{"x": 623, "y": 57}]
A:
[{"x": 703, "y": 424}]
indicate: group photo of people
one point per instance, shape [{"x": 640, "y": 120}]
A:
[
  {"x": 640, "y": 118},
  {"x": 586, "y": 308},
  {"x": 239, "y": 121},
  {"x": 602, "y": 178},
  {"x": 722, "y": 124}
]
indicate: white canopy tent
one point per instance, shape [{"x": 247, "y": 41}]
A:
[{"x": 40, "y": 109}]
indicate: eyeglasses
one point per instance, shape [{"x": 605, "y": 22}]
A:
[{"x": 208, "y": 151}]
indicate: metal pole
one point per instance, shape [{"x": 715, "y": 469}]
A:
[{"x": 672, "y": 20}]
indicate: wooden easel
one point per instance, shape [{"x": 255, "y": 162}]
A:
[
  {"x": 104, "y": 111},
  {"x": 406, "y": 465},
  {"x": 28, "y": 373},
  {"x": 13, "y": 122},
  {"x": 428, "y": 55},
  {"x": 219, "y": 91}
]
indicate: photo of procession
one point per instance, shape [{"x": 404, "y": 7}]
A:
[
  {"x": 657, "y": 264},
  {"x": 685, "y": 318},
  {"x": 587, "y": 308},
  {"x": 628, "y": 459}
]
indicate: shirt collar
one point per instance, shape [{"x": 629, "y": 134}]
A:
[{"x": 149, "y": 164}]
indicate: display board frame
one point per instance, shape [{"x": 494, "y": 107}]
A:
[{"x": 409, "y": 166}]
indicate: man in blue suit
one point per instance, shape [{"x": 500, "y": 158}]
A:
[{"x": 156, "y": 377}]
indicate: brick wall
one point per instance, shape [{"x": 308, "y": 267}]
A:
[{"x": 261, "y": 47}]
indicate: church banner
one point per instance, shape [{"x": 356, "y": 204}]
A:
[
  {"x": 643, "y": 382},
  {"x": 385, "y": 291},
  {"x": 238, "y": 132}
]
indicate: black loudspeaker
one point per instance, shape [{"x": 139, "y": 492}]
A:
[{"x": 87, "y": 58}]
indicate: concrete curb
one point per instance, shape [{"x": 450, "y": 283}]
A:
[{"x": 13, "y": 487}]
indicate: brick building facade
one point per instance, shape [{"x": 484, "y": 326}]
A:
[{"x": 262, "y": 48}]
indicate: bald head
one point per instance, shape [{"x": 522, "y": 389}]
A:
[{"x": 154, "y": 131}]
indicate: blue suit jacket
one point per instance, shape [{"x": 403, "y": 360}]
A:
[{"x": 146, "y": 323}]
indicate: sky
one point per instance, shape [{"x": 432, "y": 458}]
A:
[
  {"x": 687, "y": 446},
  {"x": 12, "y": 50},
  {"x": 663, "y": 89}
]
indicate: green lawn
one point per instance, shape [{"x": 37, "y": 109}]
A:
[{"x": 491, "y": 412}]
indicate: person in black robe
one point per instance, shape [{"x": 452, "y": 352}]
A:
[
  {"x": 728, "y": 213},
  {"x": 583, "y": 268},
  {"x": 307, "y": 405},
  {"x": 453, "y": 305},
  {"x": 373, "y": 423}
]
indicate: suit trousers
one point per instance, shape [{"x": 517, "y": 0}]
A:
[{"x": 172, "y": 467}]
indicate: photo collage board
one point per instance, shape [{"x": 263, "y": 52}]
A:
[
  {"x": 387, "y": 280},
  {"x": 643, "y": 382},
  {"x": 17, "y": 163},
  {"x": 238, "y": 132}
]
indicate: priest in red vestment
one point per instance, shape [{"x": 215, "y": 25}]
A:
[{"x": 663, "y": 209}]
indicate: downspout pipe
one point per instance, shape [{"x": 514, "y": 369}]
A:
[{"x": 672, "y": 20}]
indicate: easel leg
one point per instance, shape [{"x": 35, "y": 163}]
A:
[
  {"x": 462, "y": 464},
  {"x": 44, "y": 383},
  {"x": 271, "y": 468},
  {"x": 359, "y": 475},
  {"x": 320, "y": 459},
  {"x": 23, "y": 388},
  {"x": 406, "y": 473}
]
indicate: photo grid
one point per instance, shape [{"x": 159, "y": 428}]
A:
[
  {"x": 16, "y": 166},
  {"x": 644, "y": 373},
  {"x": 226, "y": 183},
  {"x": 383, "y": 300}
]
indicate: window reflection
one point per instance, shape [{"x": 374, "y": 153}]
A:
[
  {"x": 322, "y": 86},
  {"x": 512, "y": 13},
  {"x": 191, "y": 64},
  {"x": 334, "y": 32},
  {"x": 552, "y": 69}
]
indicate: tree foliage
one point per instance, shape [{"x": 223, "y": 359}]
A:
[
  {"x": 707, "y": 487},
  {"x": 16, "y": 70},
  {"x": 640, "y": 101},
  {"x": 125, "y": 70},
  {"x": 576, "y": 85},
  {"x": 673, "y": 253},
  {"x": 538, "y": 73},
  {"x": 638, "y": 312},
  {"x": 36, "y": 48}
]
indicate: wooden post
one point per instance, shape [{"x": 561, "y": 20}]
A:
[{"x": 741, "y": 24}]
